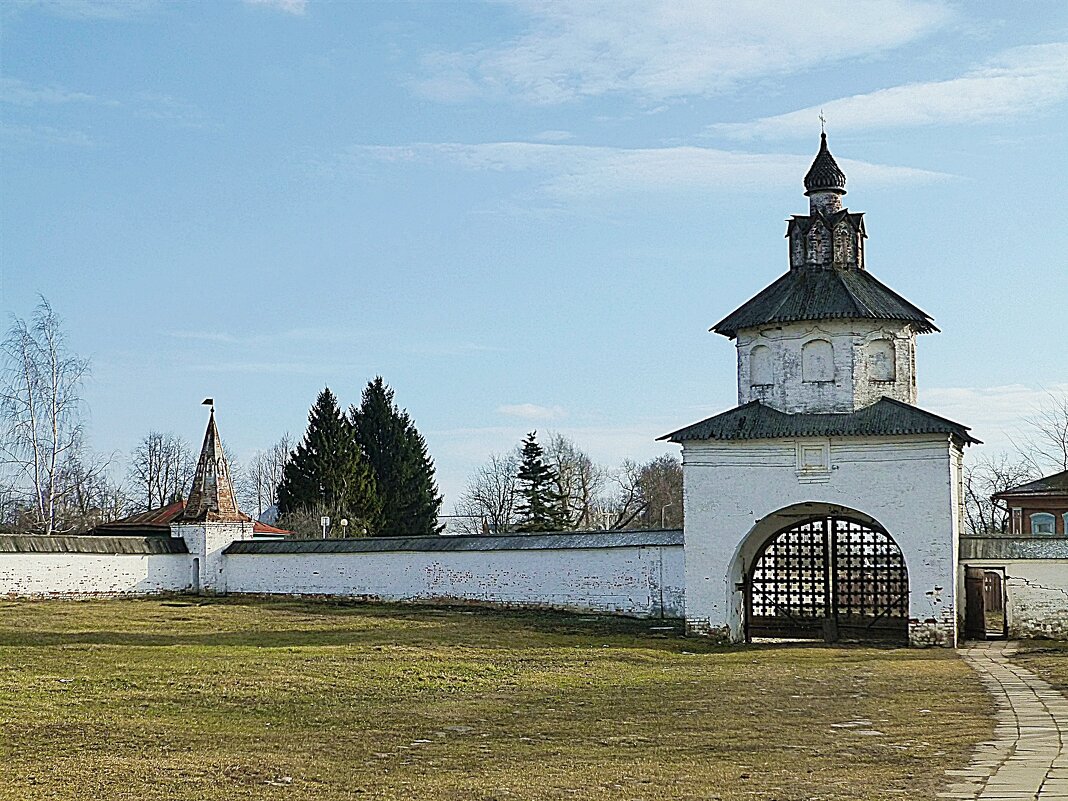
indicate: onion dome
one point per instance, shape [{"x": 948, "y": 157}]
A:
[{"x": 825, "y": 175}]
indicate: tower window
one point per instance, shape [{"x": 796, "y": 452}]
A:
[
  {"x": 817, "y": 361},
  {"x": 881, "y": 365},
  {"x": 760, "y": 373}
]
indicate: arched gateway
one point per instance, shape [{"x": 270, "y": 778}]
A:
[{"x": 828, "y": 578}]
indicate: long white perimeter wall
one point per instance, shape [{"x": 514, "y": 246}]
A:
[
  {"x": 630, "y": 573},
  {"x": 83, "y": 574},
  {"x": 642, "y": 581}
]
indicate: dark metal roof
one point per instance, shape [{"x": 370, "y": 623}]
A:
[
  {"x": 821, "y": 294},
  {"x": 1057, "y": 484},
  {"x": 1013, "y": 548},
  {"x": 824, "y": 174},
  {"x": 15, "y": 543},
  {"x": 515, "y": 542},
  {"x": 754, "y": 420}
]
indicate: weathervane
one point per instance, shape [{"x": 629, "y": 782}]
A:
[{"x": 823, "y": 123}]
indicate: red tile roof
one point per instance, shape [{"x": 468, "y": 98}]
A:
[{"x": 158, "y": 521}]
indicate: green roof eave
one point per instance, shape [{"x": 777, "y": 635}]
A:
[{"x": 885, "y": 417}]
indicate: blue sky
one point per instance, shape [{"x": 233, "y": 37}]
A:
[{"x": 522, "y": 214}]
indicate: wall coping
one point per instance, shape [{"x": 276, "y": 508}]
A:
[
  {"x": 1026, "y": 547},
  {"x": 511, "y": 542},
  {"x": 35, "y": 543}
]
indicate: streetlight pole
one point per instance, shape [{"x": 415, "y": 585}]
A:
[{"x": 663, "y": 514}]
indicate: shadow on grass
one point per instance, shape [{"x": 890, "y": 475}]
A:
[{"x": 467, "y": 626}]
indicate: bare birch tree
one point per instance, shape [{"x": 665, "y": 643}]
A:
[
  {"x": 161, "y": 468},
  {"x": 264, "y": 474},
  {"x": 41, "y": 419},
  {"x": 488, "y": 503}
]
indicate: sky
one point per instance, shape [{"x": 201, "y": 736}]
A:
[{"x": 523, "y": 215}]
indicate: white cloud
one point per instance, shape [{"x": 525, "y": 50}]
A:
[
  {"x": 660, "y": 49},
  {"x": 996, "y": 415},
  {"x": 532, "y": 411},
  {"x": 554, "y": 136},
  {"x": 1019, "y": 82},
  {"x": 147, "y": 105},
  {"x": 278, "y": 367},
  {"x": 20, "y": 93},
  {"x": 89, "y": 9},
  {"x": 13, "y": 136},
  {"x": 567, "y": 171},
  {"x": 296, "y": 7},
  {"x": 157, "y": 106}
]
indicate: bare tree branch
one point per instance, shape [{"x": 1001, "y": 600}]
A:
[
  {"x": 487, "y": 505},
  {"x": 1046, "y": 447},
  {"x": 985, "y": 477},
  {"x": 161, "y": 467}
]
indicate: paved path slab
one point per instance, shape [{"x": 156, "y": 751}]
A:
[{"x": 1027, "y": 759}]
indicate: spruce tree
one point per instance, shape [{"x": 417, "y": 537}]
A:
[
  {"x": 403, "y": 469},
  {"x": 540, "y": 507},
  {"x": 329, "y": 470}
]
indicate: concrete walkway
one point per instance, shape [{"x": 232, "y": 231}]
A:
[{"x": 1027, "y": 758}]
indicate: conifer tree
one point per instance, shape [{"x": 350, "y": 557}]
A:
[
  {"x": 540, "y": 507},
  {"x": 403, "y": 469},
  {"x": 328, "y": 470}
]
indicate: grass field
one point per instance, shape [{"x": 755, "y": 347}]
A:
[
  {"x": 1047, "y": 658},
  {"x": 283, "y": 699}
]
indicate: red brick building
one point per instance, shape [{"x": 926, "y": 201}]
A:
[{"x": 1038, "y": 508}]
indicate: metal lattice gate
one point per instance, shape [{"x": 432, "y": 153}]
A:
[{"x": 829, "y": 578}]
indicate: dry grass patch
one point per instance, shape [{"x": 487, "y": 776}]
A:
[
  {"x": 1047, "y": 658},
  {"x": 283, "y": 699}
]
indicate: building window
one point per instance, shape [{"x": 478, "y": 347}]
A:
[
  {"x": 817, "y": 361},
  {"x": 1042, "y": 523},
  {"x": 881, "y": 360},
  {"x": 760, "y": 373},
  {"x": 1017, "y": 520}
]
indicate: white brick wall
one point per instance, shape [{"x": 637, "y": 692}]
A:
[
  {"x": 1036, "y": 595},
  {"x": 633, "y": 580},
  {"x": 78, "y": 574}
]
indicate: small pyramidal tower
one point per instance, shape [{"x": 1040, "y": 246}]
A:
[
  {"x": 211, "y": 519},
  {"x": 212, "y": 497}
]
